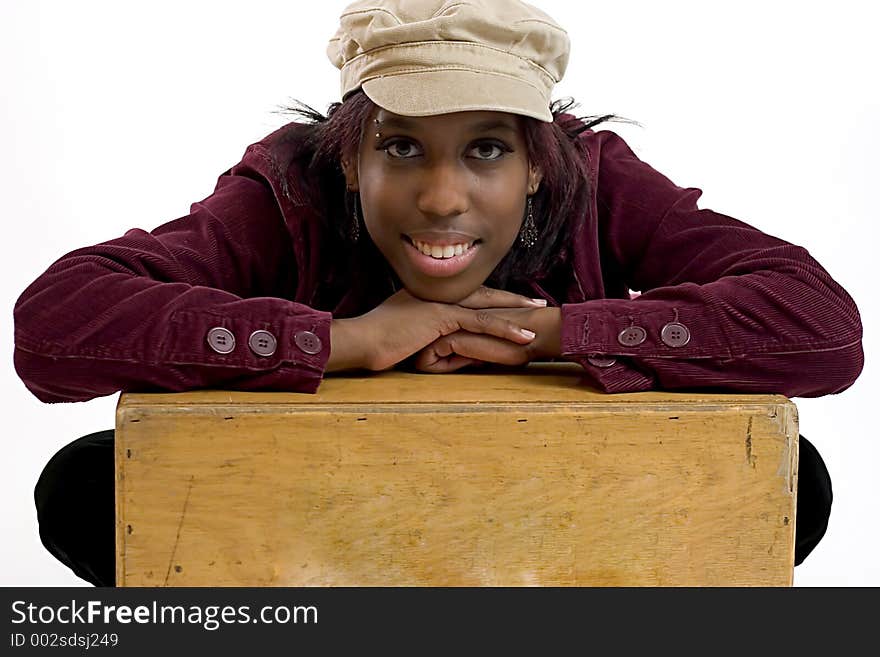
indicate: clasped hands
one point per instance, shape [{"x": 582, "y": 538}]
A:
[
  {"x": 484, "y": 327},
  {"x": 464, "y": 348}
]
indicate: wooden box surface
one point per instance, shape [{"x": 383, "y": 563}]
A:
[{"x": 475, "y": 479}]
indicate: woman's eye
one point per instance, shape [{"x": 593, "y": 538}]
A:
[
  {"x": 400, "y": 149},
  {"x": 486, "y": 148}
]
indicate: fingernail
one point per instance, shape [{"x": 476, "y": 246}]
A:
[
  {"x": 527, "y": 333},
  {"x": 539, "y": 302}
]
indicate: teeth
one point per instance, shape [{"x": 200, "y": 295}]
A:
[{"x": 444, "y": 252}]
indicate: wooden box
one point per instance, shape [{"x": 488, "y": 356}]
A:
[{"x": 520, "y": 477}]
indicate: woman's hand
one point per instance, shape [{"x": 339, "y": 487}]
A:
[
  {"x": 403, "y": 324},
  {"x": 462, "y": 348}
]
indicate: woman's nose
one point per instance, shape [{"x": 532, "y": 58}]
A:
[{"x": 444, "y": 191}]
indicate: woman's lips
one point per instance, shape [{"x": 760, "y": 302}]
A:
[{"x": 438, "y": 267}]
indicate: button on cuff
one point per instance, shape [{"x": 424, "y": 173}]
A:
[
  {"x": 308, "y": 342},
  {"x": 221, "y": 340},
  {"x": 601, "y": 361},
  {"x": 262, "y": 343},
  {"x": 632, "y": 336},
  {"x": 675, "y": 334}
]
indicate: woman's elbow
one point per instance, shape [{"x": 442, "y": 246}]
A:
[{"x": 837, "y": 369}]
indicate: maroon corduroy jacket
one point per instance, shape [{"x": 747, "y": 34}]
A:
[{"x": 236, "y": 295}]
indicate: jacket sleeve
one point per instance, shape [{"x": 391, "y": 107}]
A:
[
  {"x": 723, "y": 307},
  {"x": 136, "y": 313}
]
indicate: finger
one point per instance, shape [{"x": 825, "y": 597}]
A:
[
  {"x": 484, "y": 321},
  {"x": 481, "y": 348},
  {"x": 429, "y": 360},
  {"x": 445, "y": 365},
  {"x": 488, "y": 297}
]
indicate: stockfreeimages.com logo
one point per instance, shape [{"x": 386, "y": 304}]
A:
[{"x": 211, "y": 617}]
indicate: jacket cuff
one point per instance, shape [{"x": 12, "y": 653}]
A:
[{"x": 266, "y": 335}]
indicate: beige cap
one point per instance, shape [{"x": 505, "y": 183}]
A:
[{"x": 426, "y": 57}]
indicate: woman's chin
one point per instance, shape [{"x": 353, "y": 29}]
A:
[{"x": 440, "y": 293}]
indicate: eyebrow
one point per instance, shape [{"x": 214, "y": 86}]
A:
[{"x": 480, "y": 126}]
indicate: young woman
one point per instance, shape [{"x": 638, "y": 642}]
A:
[{"x": 446, "y": 214}]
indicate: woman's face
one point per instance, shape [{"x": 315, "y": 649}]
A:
[{"x": 439, "y": 186}]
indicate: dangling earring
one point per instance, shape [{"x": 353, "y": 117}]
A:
[
  {"x": 528, "y": 235},
  {"x": 355, "y": 231}
]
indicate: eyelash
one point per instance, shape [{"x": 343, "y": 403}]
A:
[{"x": 504, "y": 148}]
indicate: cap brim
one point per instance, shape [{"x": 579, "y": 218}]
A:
[{"x": 427, "y": 93}]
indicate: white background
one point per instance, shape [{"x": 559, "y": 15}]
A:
[{"x": 119, "y": 115}]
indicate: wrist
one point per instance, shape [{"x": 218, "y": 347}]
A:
[
  {"x": 345, "y": 347},
  {"x": 549, "y": 332}
]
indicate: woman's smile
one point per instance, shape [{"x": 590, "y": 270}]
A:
[{"x": 440, "y": 261}]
